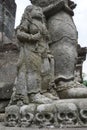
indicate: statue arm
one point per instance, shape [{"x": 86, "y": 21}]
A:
[
  {"x": 53, "y": 8},
  {"x": 26, "y": 37},
  {"x": 68, "y": 10},
  {"x": 56, "y": 7}
]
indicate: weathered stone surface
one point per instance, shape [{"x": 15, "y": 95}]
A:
[
  {"x": 11, "y": 116},
  {"x": 35, "y": 61},
  {"x": 60, "y": 114},
  {"x": 3, "y": 104},
  {"x": 8, "y": 71},
  {"x": 7, "y": 19},
  {"x": 2, "y": 116},
  {"x": 34, "y": 67},
  {"x": 63, "y": 45},
  {"x": 5, "y": 91},
  {"x": 16, "y": 128},
  {"x": 27, "y": 115}
]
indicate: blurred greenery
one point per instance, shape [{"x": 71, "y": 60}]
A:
[
  {"x": 84, "y": 75},
  {"x": 85, "y": 82}
]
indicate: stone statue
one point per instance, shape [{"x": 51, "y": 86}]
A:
[
  {"x": 38, "y": 72},
  {"x": 35, "y": 60},
  {"x": 63, "y": 45}
]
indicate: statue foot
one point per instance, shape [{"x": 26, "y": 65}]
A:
[
  {"x": 40, "y": 99},
  {"x": 49, "y": 95},
  {"x": 71, "y": 89}
]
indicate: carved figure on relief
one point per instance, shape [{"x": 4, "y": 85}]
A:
[
  {"x": 63, "y": 45},
  {"x": 35, "y": 60}
]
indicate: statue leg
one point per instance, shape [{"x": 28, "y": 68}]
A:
[
  {"x": 19, "y": 95},
  {"x": 35, "y": 88},
  {"x": 35, "y": 92},
  {"x": 47, "y": 77},
  {"x": 65, "y": 55}
]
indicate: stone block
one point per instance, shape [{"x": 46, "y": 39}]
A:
[
  {"x": 3, "y": 104},
  {"x": 5, "y": 91}
]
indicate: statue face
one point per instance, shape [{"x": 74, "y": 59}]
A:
[
  {"x": 12, "y": 116},
  {"x": 67, "y": 118},
  {"x": 27, "y": 115},
  {"x": 82, "y": 106},
  {"x": 36, "y": 12},
  {"x": 83, "y": 115},
  {"x": 67, "y": 114},
  {"x": 45, "y": 115},
  {"x": 26, "y": 118},
  {"x": 44, "y": 118}
]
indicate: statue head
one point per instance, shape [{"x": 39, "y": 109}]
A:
[
  {"x": 67, "y": 114},
  {"x": 12, "y": 116},
  {"x": 32, "y": 11}
]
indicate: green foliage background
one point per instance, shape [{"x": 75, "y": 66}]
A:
[{"x": 85, "y": 82}]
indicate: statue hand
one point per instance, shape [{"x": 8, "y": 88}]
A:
[
  {"x": 36, "y": 37},
  {"x": 72, "y": 5}
]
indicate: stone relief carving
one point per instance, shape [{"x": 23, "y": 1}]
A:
[
  {"x": 12, "y": 116},
  {"x": 27, "y": 115},
  {"x": 45, "y": 115},
  {"x": 34, "y": 65},
  {"x": 67, "y": 114},
  {"x": 63, "y": 45},
  {"x": 39, "y": 72},
  {"x": 82, "y": 108},
  {"x": 54, "y": 115}
]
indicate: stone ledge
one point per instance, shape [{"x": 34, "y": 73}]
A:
[{"x": 16, "y": 128}]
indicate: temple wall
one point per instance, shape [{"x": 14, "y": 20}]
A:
[{"x": 7, "y": 20}]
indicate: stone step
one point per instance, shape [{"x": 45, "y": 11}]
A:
[{"x": 2, "y": 127}]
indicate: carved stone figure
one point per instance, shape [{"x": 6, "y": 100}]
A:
[
  {"x": 63, "y": 45},
  {"x": 34, "y": 65},
  {"x": 67, "y": 114},
  {"x": 12, "y": 116},
  {"x": 27, "y": 115},
  {"x": 82, "y": 108},
  {"x": 39, "y": 72},
  {"x": 44, "y": 119},
  {"x": 45, "y": 115}
]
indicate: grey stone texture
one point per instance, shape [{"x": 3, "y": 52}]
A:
[
  {"x": 35, "y": 64},
  {"x": 8, "y": 58},
  {"x": 8, "y": 70},
  {"x": 11, "y": 116},
  {"x": 64, "y": 36},
  {"x": 42, "y": 77},
  {"x": 5, "y": 90},
  {"x": 3, "y": 104},
  {"x": 63, "y": 45},
  {"x": 16, "y": 128},
  {"x": 65, "y": 113},
  {"x": 7, "y": 20}
]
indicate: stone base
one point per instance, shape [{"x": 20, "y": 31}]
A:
[
  {"x": 16, "y": 128},
  {"x": 76, "y": 101},
  {"x": 68, "y": 113}
]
